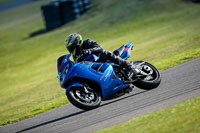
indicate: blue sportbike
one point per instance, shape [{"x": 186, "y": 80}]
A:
[{"x": 89, "y": 82}]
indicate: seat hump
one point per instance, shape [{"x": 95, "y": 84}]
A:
[{"x": 119, "y": 51}]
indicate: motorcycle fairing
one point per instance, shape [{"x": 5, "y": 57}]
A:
[
  {"x": 100, "y": 73},
  {"x": 106, "y": 79}
]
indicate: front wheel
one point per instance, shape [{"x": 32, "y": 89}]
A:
[
  {"x": 84, "y": 97},
  {"x": 149, "y": 78}
]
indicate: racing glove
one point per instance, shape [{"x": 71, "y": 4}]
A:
[{"x": 86, "y": 52}]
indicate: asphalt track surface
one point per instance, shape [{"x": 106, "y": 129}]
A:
[{"x": 178, "y": 84}]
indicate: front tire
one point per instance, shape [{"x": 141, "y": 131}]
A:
[
  {"x": 84, "y": 99},
  {"x": 147, "y": 82}
]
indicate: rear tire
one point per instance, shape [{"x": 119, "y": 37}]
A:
[
  {"x": 79, "y": 98},
  {"x": 141, "y": 81}
]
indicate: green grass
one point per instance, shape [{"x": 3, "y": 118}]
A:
[
  {"x": 165, "y": 33},
  {"x": 2, "y": 2},
  {"x": 181, "y": 118}
]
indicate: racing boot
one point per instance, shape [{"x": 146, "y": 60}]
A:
[{"x": 132, "y": 71}]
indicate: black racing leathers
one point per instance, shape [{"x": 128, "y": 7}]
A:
[{"x": 104, "y": 55}]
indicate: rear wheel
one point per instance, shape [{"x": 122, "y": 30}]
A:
[
  {"x": 84, "y": 97},
  {"x": 149, "y": 78}
]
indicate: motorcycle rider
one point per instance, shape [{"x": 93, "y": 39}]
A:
[{"x": 81, "y": 48}]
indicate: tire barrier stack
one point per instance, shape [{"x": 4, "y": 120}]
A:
[
  {"x": 196, "y": 1},
  {"x": 60, "y": 12}
]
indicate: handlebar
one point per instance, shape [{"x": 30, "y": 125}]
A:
[{"x": 79, "y": 58}]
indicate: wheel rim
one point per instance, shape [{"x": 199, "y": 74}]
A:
[
  {"x": 85, "y": 95},
  {"x": 150, "y": 73}
]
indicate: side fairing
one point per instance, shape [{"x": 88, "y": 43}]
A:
[{"x": 99, "y": 73}]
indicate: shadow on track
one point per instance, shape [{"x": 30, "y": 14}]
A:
[
  {"x": 77, "y": 113},
  {"x": 52, "y": 121},
  {"x": 119, "y": 99}
]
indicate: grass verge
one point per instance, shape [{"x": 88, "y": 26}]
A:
[
  {"x": 181, "y": 118},
  {"x": 2, "y": 2}
]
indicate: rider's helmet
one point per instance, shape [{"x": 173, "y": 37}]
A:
[{"x": 73, "y": 41}]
